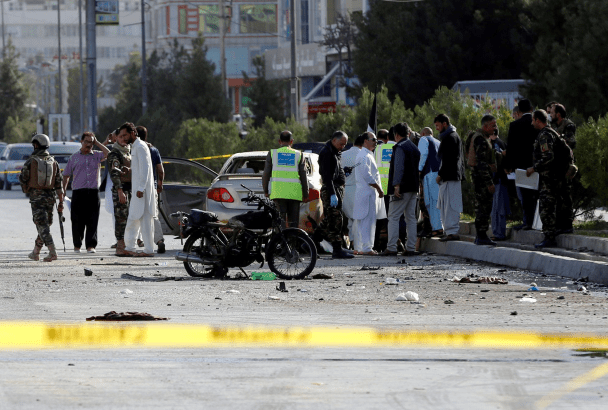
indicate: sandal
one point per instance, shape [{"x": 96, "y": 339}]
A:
[{"x": 370, "y": 253}]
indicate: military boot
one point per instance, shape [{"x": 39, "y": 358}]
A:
[
  {"x": 339, "y": 253},
  {"x": 35, "y": 255},
  {"x": 482, "y": 239},
  {"x": 52, "y": 254}
]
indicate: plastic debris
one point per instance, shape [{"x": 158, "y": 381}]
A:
[
  {"x": 367, "y": 267},
  {"x": 514, "y": 313},
  {"x": 391, "y": 281},
  {"x": 533, "y": 289},
  {"x": 561, "y": 297},
  {"x": 448, "y": 302},
  {"x": 126, "y": 291},
  {"x": 273, "y": 298},
  {"x": 326, "y": 246},
  {"x": 582, "y": 289},
  {"x": 232, "y": 291},
  {"x": 527, "y": 299},
  {"x": 88, "y": 272},
  {"x": 408, "y": 296},
  {"x": 263, "y": 276},
  {"x": 125, "y": 316}
]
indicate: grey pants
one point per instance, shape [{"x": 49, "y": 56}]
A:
[{"x": 397, "y": 207}]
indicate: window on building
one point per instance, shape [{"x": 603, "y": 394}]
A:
[
  {"x": 258, "y": 18},
  {"x": 182, "y": 13},
  {"x": 305, "y": 26},
  {"x": 209, "y": 19}
]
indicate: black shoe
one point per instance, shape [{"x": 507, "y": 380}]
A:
[
  {"x": 410, "y": 253},
  {"x": 161, "y": 247},
  {"x": 484, "y": 241},
  {"x": 547, "y": 243},
  {"x": 450, "y": 237},
  {"x": 424, "y": 234}
]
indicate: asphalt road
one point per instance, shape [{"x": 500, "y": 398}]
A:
[{"x": 285, "y": 378}]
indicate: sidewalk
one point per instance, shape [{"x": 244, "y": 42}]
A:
[{"x": 576, "y": 257}]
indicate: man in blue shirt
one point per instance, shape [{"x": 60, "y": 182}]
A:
[{"x": 159, "y": 176}]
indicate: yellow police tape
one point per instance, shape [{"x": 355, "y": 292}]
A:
[{"x": 14, "y": 335}]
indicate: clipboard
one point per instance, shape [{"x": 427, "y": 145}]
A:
[{"x": 523, "y": 181}]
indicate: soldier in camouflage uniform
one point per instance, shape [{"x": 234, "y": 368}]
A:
[
  {"x": 119, "y": 163},
  {"x": 41, "y": 178},
  {"x": 550, "y": 182},
  {"x": 483, "y": 162},
  {"x": 332, "y": 194},
  {"x": 565, "y": 211}
]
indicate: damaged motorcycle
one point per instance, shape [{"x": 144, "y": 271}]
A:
[{"x": 256, "y": 236}]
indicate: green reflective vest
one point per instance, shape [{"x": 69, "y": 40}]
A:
[
  {"x": 285, "y": 180},
  {"x": 383, "y": 162}
]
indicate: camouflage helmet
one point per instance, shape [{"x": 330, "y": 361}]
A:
[{"x": 42, "y": 140}]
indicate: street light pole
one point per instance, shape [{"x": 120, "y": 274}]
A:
[
  {"x": 92, "y": 65},
  {"x": 81, "y": 90},
  {"x": 59, "y": 55},
  {"x": 294, "y": 81},
  {"x": 144, "y": 82},
  {"x": 222, "y": 13},
  {"x": 3, "y": 44}
]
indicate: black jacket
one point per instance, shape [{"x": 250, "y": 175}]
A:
[
  {"x": 451, "y": 154},
  {"x": 332, "y": 174},
  {"x": 406, "y": 152},
  {"x": 520, "y": 143}
]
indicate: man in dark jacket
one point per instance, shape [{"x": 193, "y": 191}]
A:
[
  {"x": 451, "y": 172},
  {"x": 332, "y": 193},
  {"x": 403, "y": 186},
  {"x": 520, "y": 146}
]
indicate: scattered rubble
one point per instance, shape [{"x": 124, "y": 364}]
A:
[{"x": 124, "y": 316}]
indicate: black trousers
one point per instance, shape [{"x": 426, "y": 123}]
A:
[
  {"x": 85, "y": 216},
  {"x": 529, "y": 197}
]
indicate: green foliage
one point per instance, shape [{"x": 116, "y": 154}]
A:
[
  {"x": 267, "y": 96},
  {"x": 413, "y": 48},
  {"x": 266, "y": 137},
  {"x": 16, "y": 130},
  {"x": 591, "y": 156},
  {"x": 13, "y": 93},
  {"x": 197, "y": 138},
  {"x": 181, "y": 85},
  {"x": 569, "y": 60}
]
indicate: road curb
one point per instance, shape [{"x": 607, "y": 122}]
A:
[{"x": 536, "y": 261}]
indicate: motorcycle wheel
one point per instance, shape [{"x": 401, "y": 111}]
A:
[
  {"x": 199, "y": 270},
  {"x": 292, "y": 258}
]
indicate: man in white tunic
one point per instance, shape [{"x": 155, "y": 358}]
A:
[
  {"x": 349, "y": 163},
  {"x": 142, "y": 208},
  {"x": 368, "y": 197}
]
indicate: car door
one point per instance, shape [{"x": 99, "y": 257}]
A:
[{"x": 184, "y": 188}]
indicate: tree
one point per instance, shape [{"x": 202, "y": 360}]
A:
[
  {"x": 13, "y": 91},
  {"x": 182, "y": 85},
  {"x": 569, "y": 60},
  {"x": 267, "y": 96},
  {"x": 413, "y": 48}
]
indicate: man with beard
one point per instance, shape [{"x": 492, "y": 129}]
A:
[{"x": 119, "y": 164}]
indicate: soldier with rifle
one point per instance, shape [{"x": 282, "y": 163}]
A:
[{"x": 41, "y": 178}]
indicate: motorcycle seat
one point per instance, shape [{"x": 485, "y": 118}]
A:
[{"x": 199, "y": 217}]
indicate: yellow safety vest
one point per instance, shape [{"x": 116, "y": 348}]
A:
[
  {"x": 383, "y": 155},
  {"x": 285, "y": 179}
]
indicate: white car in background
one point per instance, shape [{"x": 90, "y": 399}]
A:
[{"x": 226, "y": 194}]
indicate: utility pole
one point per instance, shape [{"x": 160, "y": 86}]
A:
[
  {"x": 59, "y": 55},
  {"x": 294, "y": 80},
  {"x": 222, "y": 13},
  {"x": 81, "y": 90},
  {"x": 144, "y": 80},
  {"x": 3, "y": 44},
  {"x": 92, "y": 65}
]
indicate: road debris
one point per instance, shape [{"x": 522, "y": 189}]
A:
[
  {"x": 124, "y": 316},
  {"x": 263, "y": 276},
  {"x": 490, "y": 280},
  {"x": 448, "y": 302},
  {"x": 323, "y": 276},
  {"x": 232, "y": 291},
  {"x": 281, "y": 287},
  {"x": 408, "y": 296},
  {"x": 514, "y": 313},
  {"x": 274, "y": 298},
  {"x": 88, "y": 272},
  {"x": 367, "y": 267},
  {"x": 527, "y": 299},
  {"x": 126, "y": 292}
]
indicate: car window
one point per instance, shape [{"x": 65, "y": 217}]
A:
[
  {"x": 20, "y": 153},
  {"x": 185, "y": 174},
  {"x": 246, "y": 165},
  {"x": 63, "y": 150}
]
